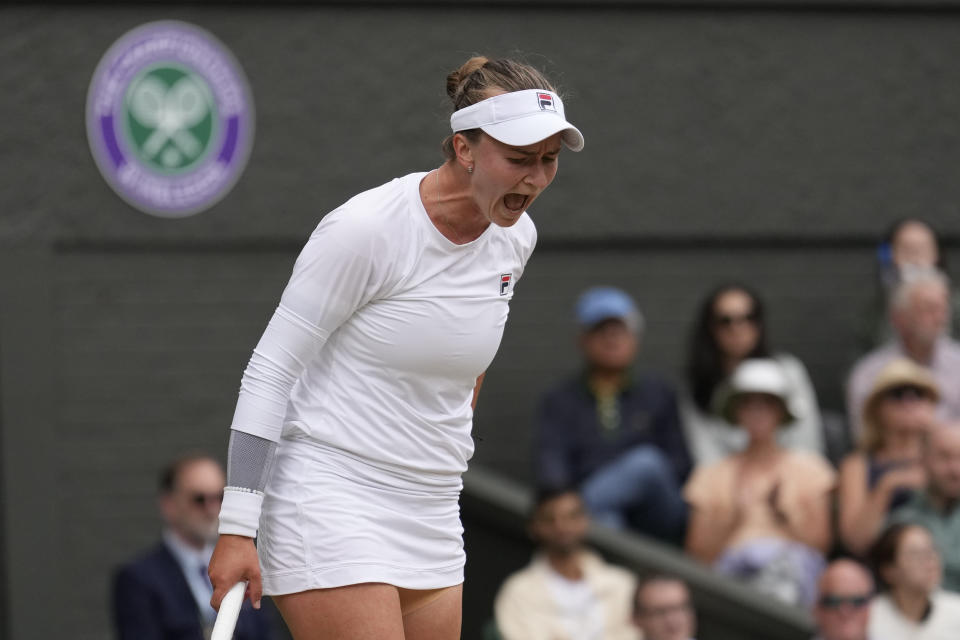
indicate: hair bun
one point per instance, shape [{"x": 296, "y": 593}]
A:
[
  {"x": 479, "y": 78},
  {"x": 456, "y": 78}
]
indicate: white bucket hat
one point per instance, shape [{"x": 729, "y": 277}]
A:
[
  {"x": 756, "y": 375},
  {"x": 519, "y": 118}
]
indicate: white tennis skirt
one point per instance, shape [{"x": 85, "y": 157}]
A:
[{"x": 331, "y": 519}]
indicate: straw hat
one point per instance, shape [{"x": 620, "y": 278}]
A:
[
  {"x": 896, "y": 373},
  {"x": 756, "y": 375}
]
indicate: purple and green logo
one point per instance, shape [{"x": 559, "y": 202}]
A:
[{"x": 169, "y": 118}]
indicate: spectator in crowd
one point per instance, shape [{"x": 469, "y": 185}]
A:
[
  {"x": 567, "y": 592},
  {"x": 843, "y": 601},
  {"x": 938, "y": 508},
  {"x": 762, "y": 515},
  {"x": 730, "y": 328},
  {"x": 662, "y": 609},
  {"x": 908, "y": 244},
  {"x": 911, "y": 605},
  {"x": 881, "y": 475},
  {"x": 920, "y": 316},
  {"x": 913, "y": 243},
  {"x": 613, "y": 431},
  {"x": 165, "y": 593}
]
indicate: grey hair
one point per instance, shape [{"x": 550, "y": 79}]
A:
[{"x": 910, "y": 279}]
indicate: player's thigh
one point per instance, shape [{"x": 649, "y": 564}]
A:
[
  {"x": 433, "y": 614},
  {"x": 369, "y": 611}
]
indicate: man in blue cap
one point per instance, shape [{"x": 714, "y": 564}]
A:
[{"x": 613, "y": 433}]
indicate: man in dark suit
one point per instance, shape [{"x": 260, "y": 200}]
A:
[{"x": 165, "y": 593}]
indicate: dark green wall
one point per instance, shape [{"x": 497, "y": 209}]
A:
[
  {"x": 712, "y": 123},
  {"x": 766, "y": 145}
]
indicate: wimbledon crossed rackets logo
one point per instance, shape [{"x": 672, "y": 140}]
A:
[{"x": 169, "y": 118}]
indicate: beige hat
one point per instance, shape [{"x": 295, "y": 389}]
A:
[
  {"x": 756, "y": 375},
  {"x": 896, "y": 373}
]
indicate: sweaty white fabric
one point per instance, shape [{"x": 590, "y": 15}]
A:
[{"x": 379, "y": 337}]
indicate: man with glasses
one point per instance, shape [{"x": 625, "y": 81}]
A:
[
  {"x": 662, "y": 609},
  {"x": 165, "y": 593},
  {"x": 843, "y": 606}
]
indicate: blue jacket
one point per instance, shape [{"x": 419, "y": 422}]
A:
[
  {"x": 572, "y": 443},
  {"x": 151, "y": 601}
]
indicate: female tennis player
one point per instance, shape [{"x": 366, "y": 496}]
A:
[{"x": 352, "y": 427}]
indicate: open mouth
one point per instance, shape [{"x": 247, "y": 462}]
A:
[{"x": 515, "y": 202}]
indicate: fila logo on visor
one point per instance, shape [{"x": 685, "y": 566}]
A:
[
  {"x": 546, "y": 102},
  {"x": 505, "y": 283}
]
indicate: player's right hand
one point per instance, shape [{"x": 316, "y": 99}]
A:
[{"x": 235, "y": 560}]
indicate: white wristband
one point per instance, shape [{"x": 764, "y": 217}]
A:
[{"x": 240, "y": 512}]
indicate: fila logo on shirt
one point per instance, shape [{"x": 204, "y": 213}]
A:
[
  {"x": 546, "y": 102},
  {"x": 505, "y": 283}
]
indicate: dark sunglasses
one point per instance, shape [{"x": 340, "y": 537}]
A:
[
  {"x": 836, "y": 602},
  {"x": 906, "y": 392},
  {"x": 726, "y": 320},
  {"x": 203, "y": 499}
]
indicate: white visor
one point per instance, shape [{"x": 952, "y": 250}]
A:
[{"x": 519, "y": 118}]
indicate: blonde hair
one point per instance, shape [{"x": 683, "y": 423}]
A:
[
  {"x": 872, "y": 437},
  {"x": 479, "y": 77}
]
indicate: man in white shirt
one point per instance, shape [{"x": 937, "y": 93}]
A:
[
  {"x": 567, "y": 592},
  {"x": 165, "y": 593},
  {"x": 662, "y": 609}
]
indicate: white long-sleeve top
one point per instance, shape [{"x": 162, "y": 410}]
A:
[{"x": 379, "y": 338}]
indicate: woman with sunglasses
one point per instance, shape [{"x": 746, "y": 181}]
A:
[
  {"x": 730, "y": 327},
  {"x": 353, "y": 424},
  {"x": 911, "y": 605},
  {"x": 880, "y": 476}
]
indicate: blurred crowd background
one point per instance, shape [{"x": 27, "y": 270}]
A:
[{"x": 767, "y": 147}]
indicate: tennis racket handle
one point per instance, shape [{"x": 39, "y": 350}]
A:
[{"x": 229, "y": 612}]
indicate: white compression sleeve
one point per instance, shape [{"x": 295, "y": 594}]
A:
[
  {"x": 288, "y": 343},
  {"x": 334, "y": 276}
]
